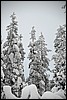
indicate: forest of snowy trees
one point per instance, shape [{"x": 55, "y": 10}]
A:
[{"x": 37, "y": 85}]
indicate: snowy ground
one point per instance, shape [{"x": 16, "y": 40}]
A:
[{"x": 30, "y": 92}]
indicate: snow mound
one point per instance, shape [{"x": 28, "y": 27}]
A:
[
  {"x": 50, "y": 95},
  {"x": 8, "y": 93},
  {"x": 30, "y": 92},
  {"x": 60, "y": 93}
]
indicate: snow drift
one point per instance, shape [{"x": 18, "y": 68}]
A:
[
  {"x": 50, "y": 95},
  {"x": 30, "y": 92},
  {"x": 60, "y": 93}
]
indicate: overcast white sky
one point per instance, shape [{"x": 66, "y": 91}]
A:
[{"x": 46, "y": 16}]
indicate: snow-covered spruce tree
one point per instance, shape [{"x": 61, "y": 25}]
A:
[
  {"x": 31, "y": 56},
  {"x": 44, "y": 61},
  {"x": 2, "y": 75},
  {"x": 36, "y": 75},
  {"x": 60, "y": 58},
  {"x": 13, "y": 57}
]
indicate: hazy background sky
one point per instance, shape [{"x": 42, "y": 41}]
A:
[{"x": 46, "y": 16}]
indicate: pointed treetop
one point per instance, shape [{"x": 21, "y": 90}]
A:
[
  {"x": 41, "y": 33},
  {"x": 60, "y": 28},
  {"x": 13, "y": 25},
  {"x": 41, "y": 37},
  {"x": 33, "y": 27},
  {"x": 20, "y": 37},
  {"x": 13, "y": 16},
  {"x": 64, "y": 7},
  {"x": 33, "y": 34},
  {"x": 33, "y": 30}
]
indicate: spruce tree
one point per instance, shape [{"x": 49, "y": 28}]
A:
[
  {"x": 2, "y": 75},
  {"x": 59, "y": 78},
  {"x": 60, "y": 58},
  {"x": 31, "y": 57},
  {"x": 44, "y": 60},
  {"x": 13, "y": 57},
  {"x": 37, "y": 65},
  {"x": 34, "y": 76}
]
